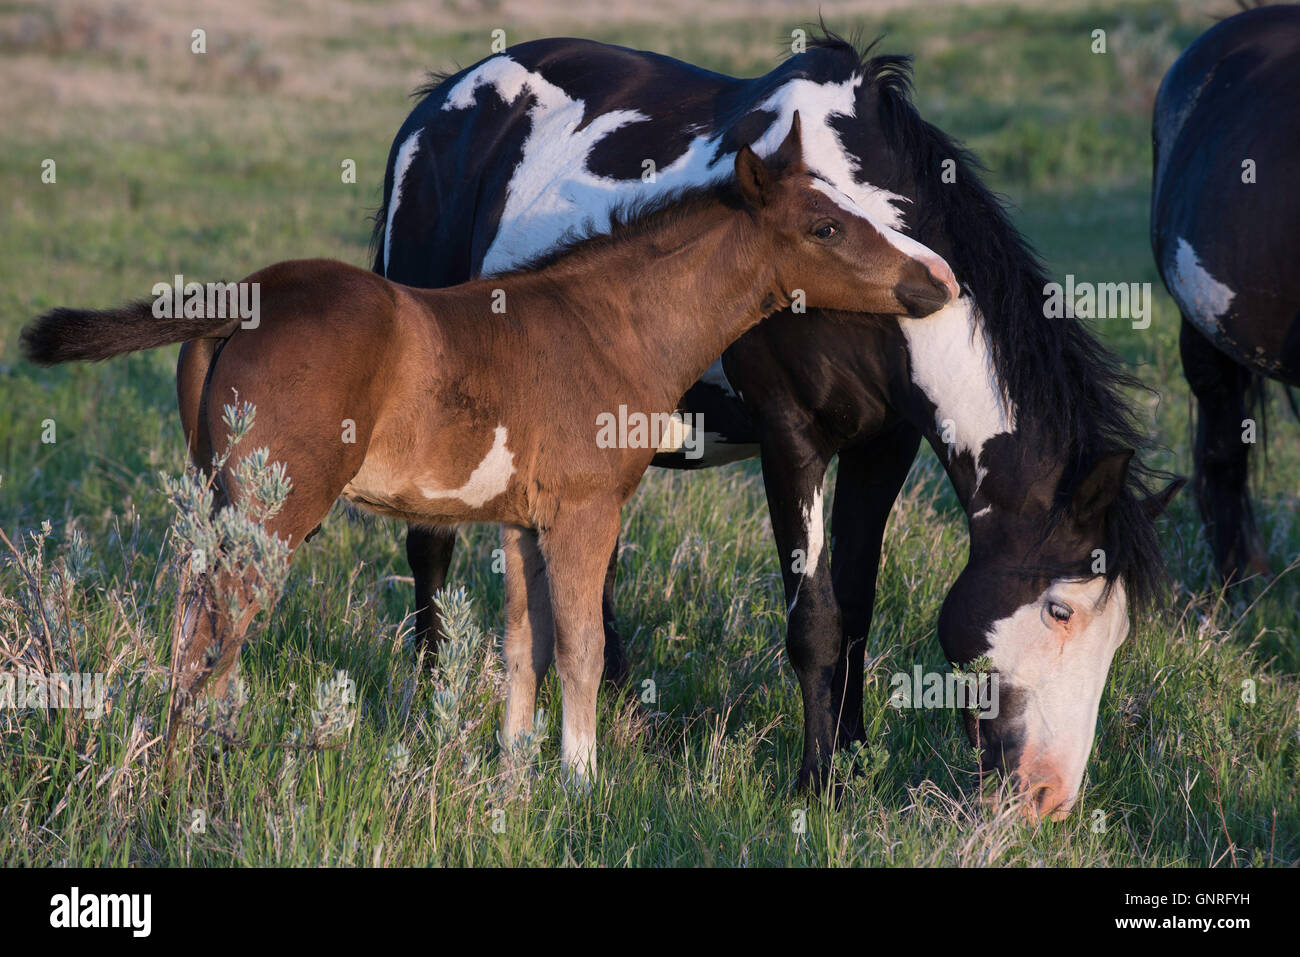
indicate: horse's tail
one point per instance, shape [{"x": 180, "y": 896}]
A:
[{"x": 64, "y": 335}]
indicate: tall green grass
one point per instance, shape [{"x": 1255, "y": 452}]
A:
[{"x": 213, "y": 175}]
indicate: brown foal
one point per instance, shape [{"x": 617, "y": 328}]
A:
[{"x": 479, "y": 403}]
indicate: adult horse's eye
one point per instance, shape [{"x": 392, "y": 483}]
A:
[
  {"x": 1060, "y": 612},
  {"x": 825, "y": 231}
]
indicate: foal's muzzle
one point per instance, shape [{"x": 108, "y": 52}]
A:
[{"x": 921, "y": 292}]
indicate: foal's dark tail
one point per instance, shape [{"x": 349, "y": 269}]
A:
[{"x": 65, "y": 335}]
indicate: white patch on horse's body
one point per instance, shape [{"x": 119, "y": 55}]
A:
[
  {"x": 1061, "y": 672},
  {"x": 1203, "y": 299},
  {"x": 952, "y": 365},
  {"x": 489, "y": 479},
  {"x": 553, "y": 194},
  {"x": 814, "y": 527},
  {"x": 405, "y": 156},
  {"x": 814, "y": 540}
]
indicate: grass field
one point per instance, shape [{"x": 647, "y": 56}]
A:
[{"x": 214, "y": 165}]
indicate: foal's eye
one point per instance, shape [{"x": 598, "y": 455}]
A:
[
  {"x": 825, "y": 231},
  {"x": 1059, "y": 611}
]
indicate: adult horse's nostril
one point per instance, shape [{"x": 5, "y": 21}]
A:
[{"x": 1050, "y": 800}]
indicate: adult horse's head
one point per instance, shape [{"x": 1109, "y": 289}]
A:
[
  {"x": 1043, "y": 604},
  {"x": 1029, "y": 414},
  {"x": 829, "y": 247}
]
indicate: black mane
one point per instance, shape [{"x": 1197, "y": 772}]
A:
[{"x": 1054, "y": 368}]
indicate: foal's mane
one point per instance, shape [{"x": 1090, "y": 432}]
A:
[{"x": 1054, "y": 370}]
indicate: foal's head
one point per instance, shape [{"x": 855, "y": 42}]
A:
[{"x": 827, "y": 247}]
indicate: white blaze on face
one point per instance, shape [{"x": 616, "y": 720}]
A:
[
  {"x": 1059, "y": 673},
  {"x": 904, "y": 244},
  {"x": 1202, "y": 298},
  {"x": 952, "y": 365},
  {"x": 488, "y": 480}
]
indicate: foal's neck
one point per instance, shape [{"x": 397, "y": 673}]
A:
[{"x": 665, "y": 298}]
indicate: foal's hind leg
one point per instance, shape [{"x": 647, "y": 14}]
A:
[
  {"x": 429, "y": 551},
  {"x": 576, "y": 547},
  {"x": 530, "y": 631},
  {"x": 1222, "y": 455}
]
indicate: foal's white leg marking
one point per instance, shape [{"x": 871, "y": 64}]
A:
[
  {"x": 488, "y": 480},
  {"x": 405, "y": 155},
  {"x": 1203, "y": 299},
  {"x": 952, "y": 365},
  {"x": 1061, "y": 674}
]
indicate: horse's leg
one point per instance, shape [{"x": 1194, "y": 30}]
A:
[
  {"x": 794, "y": 472},
  {"x": 868, "y": 481},
  {"x": 429, "y": 551},
  {"x": 530, "y": 632},
  {"x": 616, "y": 663},
  {"x": 1222, "y": 455},
  {"x": 576, "y": 548}
]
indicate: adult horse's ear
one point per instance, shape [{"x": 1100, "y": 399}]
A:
[
  {"x": 788, "y": 157},
  {"x": 753, "y": 178},
  {"x": 1101, "y": 486},
  {"x": 1156, "y": 503}
]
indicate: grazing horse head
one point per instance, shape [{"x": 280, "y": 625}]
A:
[
  {"x": 1027, "y": 414},
  {"x": 1036, "y": 605}
]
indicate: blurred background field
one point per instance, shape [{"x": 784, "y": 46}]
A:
[{"x": 212, "y": 166}]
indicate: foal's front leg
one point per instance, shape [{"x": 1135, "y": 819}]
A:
[{"x": 576, "y": 548}]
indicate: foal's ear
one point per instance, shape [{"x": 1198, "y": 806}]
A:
[
  {"x": 1156, "y": 503},
  {"x": 753, "y": 178},
  {"x": 1101, "y": 486},
  {"x": 788, "y": 157}
]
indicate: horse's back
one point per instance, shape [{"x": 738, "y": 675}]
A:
[{"x": 1225, "y": 205}]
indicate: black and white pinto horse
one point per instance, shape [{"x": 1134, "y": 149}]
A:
[
  {"x": 1225, "y": 228},
  {"x": 504, "y": 160}
]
